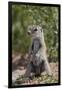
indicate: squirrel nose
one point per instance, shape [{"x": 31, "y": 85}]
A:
[{"x": 29, "y": 32}]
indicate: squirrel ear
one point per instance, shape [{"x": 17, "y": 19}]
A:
[{"x": 41, "y": 30}]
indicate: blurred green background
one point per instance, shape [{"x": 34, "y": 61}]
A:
[{"x": 45, "y": 16}]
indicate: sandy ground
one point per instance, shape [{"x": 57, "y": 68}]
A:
[{"x": 19, "y": 68}]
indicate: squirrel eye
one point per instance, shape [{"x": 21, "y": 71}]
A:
[{"x": 35, "y": 29}]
